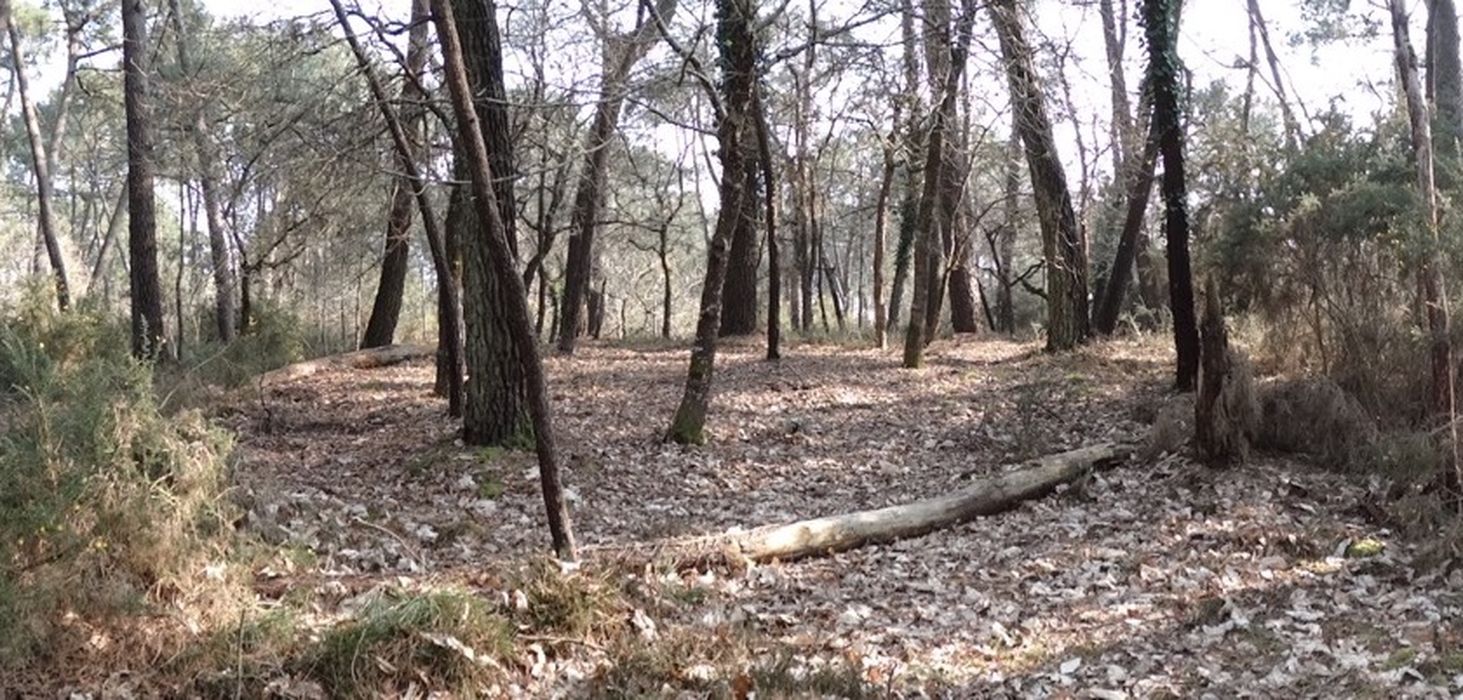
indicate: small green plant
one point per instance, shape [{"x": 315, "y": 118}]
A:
[{"x": 490, "y": 486}]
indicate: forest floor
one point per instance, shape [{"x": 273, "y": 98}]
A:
[{"x": 1158, "y": 578}]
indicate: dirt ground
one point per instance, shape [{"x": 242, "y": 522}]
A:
[{"x": 1155, "y": 579}]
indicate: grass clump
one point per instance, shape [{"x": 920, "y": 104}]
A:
[
  {"x": 449, "y": 637},
  {"x": 107, "y": 506},
  {"x": 565, "y": 603}
]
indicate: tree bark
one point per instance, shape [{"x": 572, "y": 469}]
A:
[
  {"x": 739, "y": 295},
  {"x": 774, "y": 260},
  {"x": 40, "y": 164},
  {"x": 514, "y": 302},
  {"x": 737, "y": 43},
  {"x": 396, "y": 251},
  {"x": 145, "y": 285},
  {"x": 1062, "y": 245},
  {"x": 218, "y": 248},
  {"x": 496, "y": 407},
  {"x": 881, "y": 225},
  {"x": 1164, "y": 68}
]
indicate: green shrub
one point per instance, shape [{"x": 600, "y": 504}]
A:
[
  {"x": 106, "y": 505},
  {"x": 274, "y": 339}
]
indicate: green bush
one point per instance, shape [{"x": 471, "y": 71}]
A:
[
  {"x": 106, "y": 505},
  {"x": 274, "y": 339}
]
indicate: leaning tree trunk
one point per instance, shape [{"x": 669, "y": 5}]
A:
[
  {"x": 436, "y": 239},
  {"x": 40, "y": 163},
  {"x": 881, "y": 226},
  {"x": 396, "y": 252},
  {"x": 1164, "y": 69},
  {"x": 514, "y": 303},
  {"x": 774, "y": 259},
  {"x": 146, "y": 288},
  {"x": 1062, "y": 246},
  {"x": 735, "y": 38},
  {"x": 202, "y": 132}
]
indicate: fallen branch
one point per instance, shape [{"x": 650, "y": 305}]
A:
[
  {"x": 988, "y": 496},
  {"x": 370, "y": 358}
]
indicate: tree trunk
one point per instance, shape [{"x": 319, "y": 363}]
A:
[
  {"x": 40, "y": 164},
  {"x": 1224, "y": 412},
  {"x": 927, "y": 221},
  {"x": 513, "y": 302},
  {"x": 446, "y": 290},
  {"x": 881, "y": 225},
  {"x": 396, "y": 251},
  {"x": 737, "y": 43},
  {"x": 1004, "y": 250},
  {"x": 739, "y": 296},
  {"x": 1062, "y": 245},
  {"x": 774, "y": 261},
  {"x": 495, "y": 407},
  {"x": 218, "y": 248},
  {"x": 146, "y": 287},
  {"x": 834, "y": 533},
  {"x": 1430, "y": 280},
  {"x": 1140, "y": 189},
  {"x": 114, "y": 224},
  {"x": 1164, "y": 69},
  {"x": 619, "y": 53}
]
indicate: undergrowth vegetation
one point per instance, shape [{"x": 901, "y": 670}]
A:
[{"x": 107, "y": 506}]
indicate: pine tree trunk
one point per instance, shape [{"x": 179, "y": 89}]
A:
[
  {"x": 514, "y": 303},
  {"x": 495, "y": 407},
  {"x": 1062, "y": 245},
  {"x": 146, "y": 287}
]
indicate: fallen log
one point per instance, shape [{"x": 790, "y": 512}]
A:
[
  {"x": 370, "y": 358},
  {"x": 833, "y": 533}
]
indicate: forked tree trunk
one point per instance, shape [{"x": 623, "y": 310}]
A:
[
  {"x": 514, "y": 302},
  {"x": 40, "y": 164},
  {"x": 1062, "y": 245},
  {"x": 146, "y": 287}
]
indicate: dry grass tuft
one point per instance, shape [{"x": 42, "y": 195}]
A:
[{"x": 1314, "y": 416}]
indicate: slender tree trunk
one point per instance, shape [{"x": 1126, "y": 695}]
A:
[
  {"x": 738, "y": 48},
  {"x": 446, "y": 290},
  {"x": 40, "y": 164},
  {"x": 1062, "y": 245},
  {"x": 774, "y": 259},
  {"x": 1140, "y": 190},
  {"x": 146, "y": 287},
  {"x": 1293, "y": 131},
  {"x": 1163, "y": 77},
  {"x": 396, "y": 252},
  {"x": 114, "y": 224},
  {"x": 881, "y": 224},
  {"x": 1430, "y": 279},
  {"x": 218, "y": 248},
  {"x": 501, "y": 254}
]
